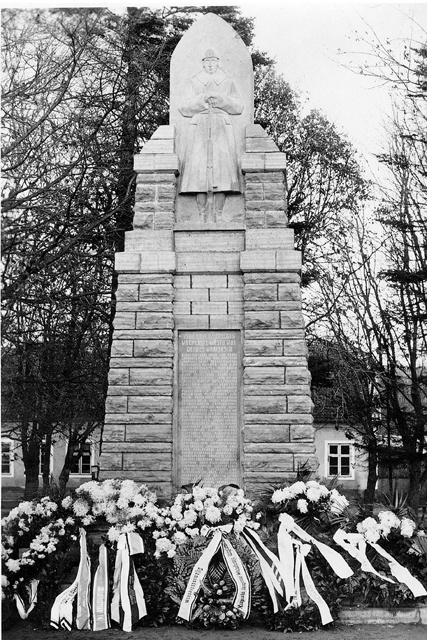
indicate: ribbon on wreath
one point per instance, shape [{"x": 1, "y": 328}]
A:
[
  {"x": 62, "y": 611},
  {"x": 128, "y": 603},
  {"x": 236, "y": 569},
  {"x": 271, "y": 568},
  {"x": 31, "y": 589},
  {"x": 100, "y": 609},
  {"x": 355, "y": 545},
  {"x": 292, "y": 554}
]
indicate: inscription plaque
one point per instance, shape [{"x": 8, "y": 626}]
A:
[{"x": 209, "y": 370}]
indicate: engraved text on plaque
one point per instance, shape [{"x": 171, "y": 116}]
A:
[{"x": 209, "y": 364}]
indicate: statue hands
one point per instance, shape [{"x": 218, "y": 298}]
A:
[{"x": 212, "y": 98}]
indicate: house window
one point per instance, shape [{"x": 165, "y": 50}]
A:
[
  {"x": 340, "y": 459},
  {"x": 6, "y": 457},
  {"x": 81, "y": 466}
]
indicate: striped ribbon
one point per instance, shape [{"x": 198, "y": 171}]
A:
[
  {"x": 31, "y": 589},
  {"x": 128, "y": 603},
  {"x": 271, "y": 568},
  {"x": 236, "y": 569},
  {"x": 100, "y": 608},
  {"x": 62, "y": 610}
]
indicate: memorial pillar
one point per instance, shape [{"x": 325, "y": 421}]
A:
[{"x": 209, "y": 379}]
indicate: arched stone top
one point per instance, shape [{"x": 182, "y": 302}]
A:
[{"x": 211, "y": 32}]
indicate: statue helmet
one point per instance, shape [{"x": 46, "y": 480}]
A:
[{"x": 210, "y": 53}]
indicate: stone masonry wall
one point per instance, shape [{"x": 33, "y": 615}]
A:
[
  {"x": 278, "y": 433},
  {"x": 137, "y": 438},
  {"x": 245, "y": 278}
]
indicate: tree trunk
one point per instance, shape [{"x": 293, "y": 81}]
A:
[
  {"x": 414, "y": 471},
  {"x": 46, "y": 462},
  {"x": 64, "y": 476},
  {"x": 369, "y": 494},
  {"x": 31, "y": 459}
]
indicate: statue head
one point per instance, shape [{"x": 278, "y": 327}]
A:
[{"x": 210, "y": 61}]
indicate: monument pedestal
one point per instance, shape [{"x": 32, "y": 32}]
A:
[{"x": 208, "y": 377}]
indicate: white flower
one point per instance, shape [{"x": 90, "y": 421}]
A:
[
  {"x": 156, "y": 535},
  {"x": 298, "y": 487},
  {"x": 13, "y": 565},
  {"x": 388, "y": 519},
  {"x": 313, "y": 494},
  {"x": 4, "y": 581},
  {"x": 407, "y": 527},
  {"x": 176, "y": 512},
  {"x": 192, "y": 532},
  {"x": 113, "y": 534},
  {"x": 164, "y": 545},
  {"x": 228, "y": 509},
  {"x": 302, "y": 506},
  {"x": 199, "y": 493},
  {"x": 129, "y": 527},
  {"x": 190, "y": 517},
  {"x": 370, "y": 529},
  {"x": 198, "y": 505},
  {"x": 151, "y": 510},
  {"x": 67, "y": 502},
  {"x": 87, "y": 520},
  {"x": 171, "y": 553},
  {"x": 213, "y": 514},
  {"x": 179, "y": 537},
  {"x": 282, "y": 495},
  {"x": 80, "y": 507},
  {"x": 239, "y": 524},
  {"x": 69, "y": 521},
  {"x": 122, "y": 503},
  {"x": 372, "y": 535},
  {"x": 337, "y": 501}
]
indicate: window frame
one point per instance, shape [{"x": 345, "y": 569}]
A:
[
  {"x": 9, "y": 442},
  {"x": 79, "y": 474},
  {"x": 339, "y": 443}
]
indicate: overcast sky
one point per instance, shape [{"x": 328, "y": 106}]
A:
[{"x": 304, "y": 39}]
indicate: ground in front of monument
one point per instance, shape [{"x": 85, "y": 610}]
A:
[{"x": 26, "y": 631}]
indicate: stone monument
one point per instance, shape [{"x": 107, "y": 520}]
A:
[{"x": 208, "y": 373}]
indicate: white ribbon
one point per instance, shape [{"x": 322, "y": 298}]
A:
[
  {"x": 31, "y": 589},
  {"x": 355, "y": 545},
  {"x": 271, "y": 568},
  {"x": 62, "y": 610},
  {"x": 83, "y": 587},
  {"x": 302, "y": 551},
  {"x": 332, "y": 557},
  {"x": 292, "y": 554},
  {"x": 401, "y": 573},
  {"x": 238, "y": 573},
  {"x": 128, "y": 603},
  {"x": 100, "y": 593}
]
